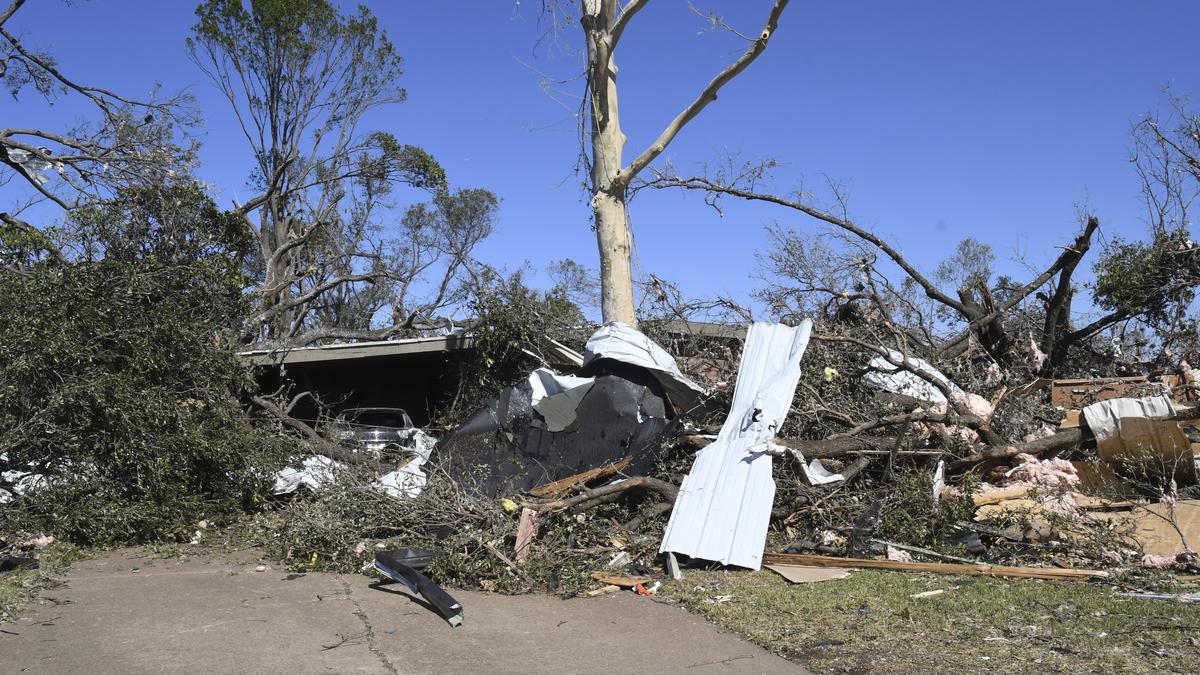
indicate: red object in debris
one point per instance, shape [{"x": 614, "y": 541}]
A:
[{"x": 642, "y": 590}]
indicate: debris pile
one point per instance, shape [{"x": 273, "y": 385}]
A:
[{"x": 608, "y": 477}]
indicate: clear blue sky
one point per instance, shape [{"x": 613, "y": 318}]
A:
[{"x": 945, "y": 119}]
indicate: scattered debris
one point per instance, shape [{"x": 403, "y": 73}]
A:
[
  {"x": 980, "y": 569},
  {"x": 930, "y": 484},
  {"x": 642, "y": 589},
  {"x": 402, "y": 565}
]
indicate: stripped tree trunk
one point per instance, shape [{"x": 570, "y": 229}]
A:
[
  {"x": 608, "y": 144},
  {"x": 603, "y": 24}
]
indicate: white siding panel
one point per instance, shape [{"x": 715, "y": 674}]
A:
[{"x": 724, "y": 504}]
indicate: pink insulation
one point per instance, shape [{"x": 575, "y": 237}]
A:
[{"x": 1048, "y": 472}]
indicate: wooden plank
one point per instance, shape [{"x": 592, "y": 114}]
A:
[
  {"x": 527, "y": 531},
  {"x": 979, "y": 570},
  {"x": 603, "y": 590},
  {"x": 622, "y": 580},
  {"x": 551, "y": 489},
  {"x": 1081, "y": 392},
  {"x": 1002, "y": 494}
]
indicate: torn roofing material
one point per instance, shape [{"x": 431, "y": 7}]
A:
[
  {"x": 619, "y": 342},
  {"x": 1135, "y": 430},
  {"x": 402, "y": 566},
  {"x": 724, "y": 504},
  {"x": 557, "y": 396},
  {"x": 551, "y": 426},
  {"x": 615, "y": 417}
]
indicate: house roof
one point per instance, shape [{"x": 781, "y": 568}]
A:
[{"x": 356, "y": 350}]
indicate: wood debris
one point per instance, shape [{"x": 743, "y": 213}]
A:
[
  {"x": 979, "y": 570},
  {"x": 621, "y": 580}
]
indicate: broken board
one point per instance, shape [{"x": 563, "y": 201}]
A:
[{"x": 804, "y": 574}]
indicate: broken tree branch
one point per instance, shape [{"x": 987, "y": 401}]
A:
[
  {"x": 607, "y": 494},
  {"x": 1064, "y": 439},
  {"x": 312, "y": 439},
  {"x": 708, "y": 95},
  {"x": 584, "y": 477}
]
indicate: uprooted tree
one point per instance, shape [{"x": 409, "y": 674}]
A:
[
  {"x": 604, "y": 23},
  {"x": 334, "y": 260}
]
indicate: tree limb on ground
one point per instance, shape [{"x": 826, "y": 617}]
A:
[
  {"x": 314, "y": 441},
  {"x": 606, "y": 494}
]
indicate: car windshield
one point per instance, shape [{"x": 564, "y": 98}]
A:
[{"x": 378, "y": 418}]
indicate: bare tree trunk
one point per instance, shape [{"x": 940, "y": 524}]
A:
[
  {"x": 616, "y": 270},
  {"x": 603, "y": 26},
  {"x": 608, "y": 144}
]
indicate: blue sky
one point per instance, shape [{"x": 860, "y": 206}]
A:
[{"x": 996, "y": 120}]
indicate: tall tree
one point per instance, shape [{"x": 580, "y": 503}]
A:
[
  {"x": 300, "y": 78},
  {"x": 604, "y": 22}
]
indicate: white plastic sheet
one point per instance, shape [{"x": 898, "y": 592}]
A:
[
  {"x": 724, "y": 504},
  {"x": 409, "y": 480},
  {"x": 889, "y": 377},
  {"x": 315, "y": 472},
  {"x": 556, "y": 396}
]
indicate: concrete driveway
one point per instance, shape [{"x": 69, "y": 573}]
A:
[{"x": 130, "y": 613}]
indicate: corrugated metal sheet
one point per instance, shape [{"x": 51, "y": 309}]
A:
[
  {"x": 624, "y": 343},
  {"x": 724, "y": 504}
]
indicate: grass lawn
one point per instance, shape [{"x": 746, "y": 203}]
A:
[{"x": 869, "y": 622}]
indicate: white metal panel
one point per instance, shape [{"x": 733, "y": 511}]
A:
[
  {"x": 624, "y": 343},
  {"x": 724, "y": 504}
]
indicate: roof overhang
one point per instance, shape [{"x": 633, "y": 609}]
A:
[{"x": 356, "y": 350}]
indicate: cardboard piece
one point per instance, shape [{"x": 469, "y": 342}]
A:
[
  {"x": 1132, "y": 433},
  {"x": 1099, "y": 478},
  {"x": 1153, "y": 529}
]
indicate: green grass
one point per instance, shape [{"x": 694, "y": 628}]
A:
[{"x": 869, "y": 623}]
